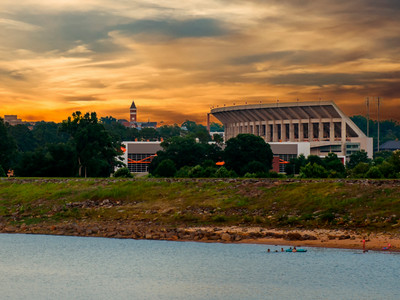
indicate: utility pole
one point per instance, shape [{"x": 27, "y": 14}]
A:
[
  {"x": 378, "y": 122},
  {"x": 367, "y": 100}
]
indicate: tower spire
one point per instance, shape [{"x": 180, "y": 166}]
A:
[{"x": 133, "y": 114}]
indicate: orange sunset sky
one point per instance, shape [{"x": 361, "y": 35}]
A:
[{"x": 178, "y": 58}]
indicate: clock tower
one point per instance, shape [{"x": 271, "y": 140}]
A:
[{"x": 133, "y": 114}]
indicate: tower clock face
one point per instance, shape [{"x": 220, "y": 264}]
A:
[{"x": 133, "y": 118}]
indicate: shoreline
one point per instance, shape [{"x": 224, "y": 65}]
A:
[{"x": 321, "y": 238}]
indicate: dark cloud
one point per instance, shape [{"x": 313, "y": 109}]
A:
[
  {"x": 321, "y": 79},
  {"x": 175, "y": 28},
  {"x": 85, "y": 98},
  {"x": 63, "y": 31},
  {"x": 301, "y": 57},
  {"x": 169, "y": 116},
  {"x": 14, "y": 75}
]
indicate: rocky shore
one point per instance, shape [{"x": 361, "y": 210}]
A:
[{"x": 232, "y": 234}]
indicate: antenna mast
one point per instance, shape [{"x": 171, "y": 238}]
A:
[{"x": 367, "y": 100}]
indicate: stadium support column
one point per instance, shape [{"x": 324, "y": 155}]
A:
[
  {"x": 208, "y": 123},
  {"x": 283, "y": 132},
  {"x": 301, "y": 131},
  {"x": 332, "y": 131},
  {"x": 274, "y": 132},
  {"x": 291, "y": 131},
  {"x": 343, "y": 137},
  {"x": 310, "y": 130},
  {"x": 320, "y": 130}
]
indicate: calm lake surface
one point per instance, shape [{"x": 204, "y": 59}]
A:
[{"x": 57, "y": 267}]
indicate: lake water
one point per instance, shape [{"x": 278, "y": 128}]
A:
[{"x": 57, "y": 267}]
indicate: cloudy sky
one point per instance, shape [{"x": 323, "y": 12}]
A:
[{"x": 178, "y": 58}]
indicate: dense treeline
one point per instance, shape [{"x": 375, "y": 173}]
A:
[
  {"x": 386, "y": 164},
  {"x": 389, "y": 129},
  {"x": 82, "y": 145},
  {"x": 184, "y": 157}
]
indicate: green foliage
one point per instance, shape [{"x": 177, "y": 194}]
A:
[
  {"x": 197, "y": 131},
  {"x": 55, "y": 160},
  {"x": 332, "y": 164},
  {"x": 2, "y": 173},
  {"x": 244, "y": 149},
  {"x": 23, "y": 137},
  {"x": 387, "y": 170},
  {"x": 223, "y": 172},
  {"x": 123, "y": 173},
  {"x": 250, "y": 175},
  {"x": 183, "y": 172},
  {"x": 185, "y": 151},
  {"x": 356, "y": 158},
  {"x": 255, "y": 167},
  {"x": 216, "y": 127},
  {"x": 360, "y": 170},
  {"x": 295, "y": 164},
  {"x": 119, "y": 132},
  {"x": 95, "y": 149},
  {"x": 389, "y": 129},
  {"x": 48, "y": 133},
  {"x": 394, "y": 160},
  {"x": 167, "y": 131},
  {"x": 8, "y": 146},
  {"x": 150, "y": 134},
  {"x": 166, "y": 168},
  {"x": 217, "y": 138},
  {"x": 374, "y": 172},
  {"x": 313, "y": 170}
]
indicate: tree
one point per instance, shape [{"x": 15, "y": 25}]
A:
[
  {"x": 166, "y": 168},
  {"x": 2, "y": 173},
  {"x": 356, "y": 158},
  {"x": 55, "y": 160},
  {"x": 149, "y": 134},
  {"x": 184, "y": 151},
  {"x": 33, "y": 164},
  {"x": 48, "y": 132},
  {"x": 197, "y": 131},
  {"x": 374, "y": 172},
  {"x": 216, "y": 127},
  {"x": 394, "y": 160},
  {"x": 23, "y": 137},
  {"x": 255, "y": 167},
  {"x": 223, "y": 172},
  {"x": 167, "y": 131},
  {"x": 334, "y": 165},
  {"x": 315, "y": 159},
  {"x": 217, "y": 138},
  {"x": 295, "y": 164},
  {"x": 96, "y": 152},
  {"x": 313, "y": 170},
  {"x": 8, "y": 146},
  {"x": 360, "y": 170},
  {"x": 245, "y": 148},
  {"x": 123, "y": 173},
  {"x": 108, "y": 120}
]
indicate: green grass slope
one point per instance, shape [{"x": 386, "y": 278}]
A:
[{"x": 345, "y": 204}]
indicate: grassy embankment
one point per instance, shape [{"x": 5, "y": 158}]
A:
[{"x": 370, "y": 205}]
